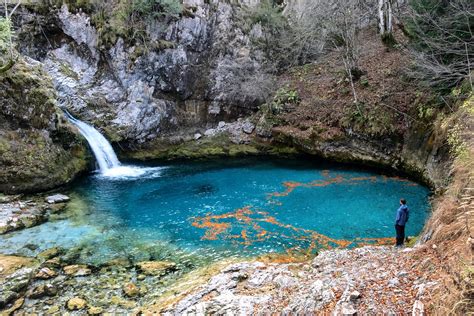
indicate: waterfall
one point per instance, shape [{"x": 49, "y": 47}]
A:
[
  {"x": 109, "y": 165},
  {"x": 103, "y": 151}
]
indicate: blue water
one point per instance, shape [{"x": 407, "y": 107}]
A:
[{"x": 217, "y": 209}]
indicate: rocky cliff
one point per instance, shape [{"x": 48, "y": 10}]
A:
[
  {"x": 191, "y": 71},
  {"x": 39, "y": 150}
]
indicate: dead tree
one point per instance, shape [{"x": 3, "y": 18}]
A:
[
  {"x": 443, "y": 43},
  {"x": 385, "y": 17}
]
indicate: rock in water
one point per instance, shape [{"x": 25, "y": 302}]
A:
[
  {"x": 156, "y": 267},
  {"x": 50, "y": 253},
  {"x": 57, "y": 198},
  {"x": 76, "y": 303},
  {"x": 93, "y": 310},
  {"x": 77, "y": 270},
  {"x": 131, "y": 290}
]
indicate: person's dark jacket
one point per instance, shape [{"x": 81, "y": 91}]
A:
[{"x": 402, "y": 215}]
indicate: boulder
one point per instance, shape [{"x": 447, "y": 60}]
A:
[{"x": 10, "y": 264}]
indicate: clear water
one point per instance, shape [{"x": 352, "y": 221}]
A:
[{"x": 206, "y": 211}]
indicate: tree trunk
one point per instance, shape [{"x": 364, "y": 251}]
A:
[{"x": 385, "y": 17}]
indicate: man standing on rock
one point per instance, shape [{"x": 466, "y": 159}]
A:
[{"x": 400, "y": 221}]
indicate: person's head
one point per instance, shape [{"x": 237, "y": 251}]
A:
[{"x": 403, "y": 201}]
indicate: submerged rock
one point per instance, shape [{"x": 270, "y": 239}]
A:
[
  {"x": 94, "y": 310},
  {"x": 77, "y": 270},
  {"x": 50, "y": 253},
  {"x": 76, "y": 303},
  {"x": 156, "y": 267},
  {"x": 131, "y": 290},
  {"x": 57, "y": 198}
]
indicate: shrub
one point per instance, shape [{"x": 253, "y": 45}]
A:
[{"x": 5, "y": 33}]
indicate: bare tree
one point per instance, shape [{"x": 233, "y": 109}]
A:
[
  {"x": 385, "y": 17},
  {"x": 343, "y": 27},
  {"x": 443, "y": 48}
]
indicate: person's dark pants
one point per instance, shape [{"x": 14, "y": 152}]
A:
[{"x": 400, "y": 234}]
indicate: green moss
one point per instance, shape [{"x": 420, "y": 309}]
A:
[
  {"x": 209, "y": 147},
  {"x": 4, "y": 146},
  {"x": 67, "y": 71},
  {"x": 411, "y": 241}
]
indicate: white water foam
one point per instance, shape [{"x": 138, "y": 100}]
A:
[
  {"x": 131, "y": 172},
  {"x": 109, "y": 165}
]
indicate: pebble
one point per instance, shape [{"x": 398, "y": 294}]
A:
[
  {"x": 418, "y": 309},
  {"x": 77, "y": 270},
  {"x": 354, "y": 295},
  {"x": 93, "y": 310},
  {"x": 402, "y": 274},
  {"x": 248, "y": 127},
  {"x": 53, "y": 309},
  {"x": 393, "y": 282},
  {"x": 45, "y": 273},
  {"x": 130, "y": 290},
  {"x": 348, "y": 309}
]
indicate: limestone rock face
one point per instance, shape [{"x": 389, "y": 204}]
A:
[
  {"x": 196, "y": 70},
  {"x": 39, "y": 149}
]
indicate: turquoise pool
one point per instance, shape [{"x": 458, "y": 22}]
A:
[{"x": 195, "y": 211}]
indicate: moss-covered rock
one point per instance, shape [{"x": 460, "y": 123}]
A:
[
  {"x": 220, "y": 145},
  {"x": 39, "y": 149}
]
